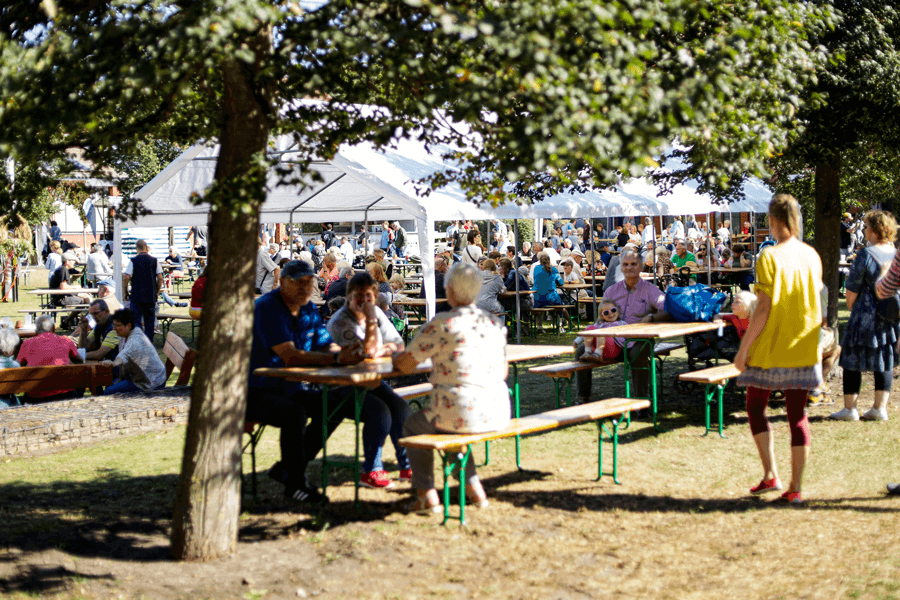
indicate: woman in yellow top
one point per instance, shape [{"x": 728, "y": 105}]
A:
[{"x": 780, "y": 350}]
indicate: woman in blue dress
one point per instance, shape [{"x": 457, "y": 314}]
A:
[
  {"x": 870, "y": 342},
  {"x": 546, "y": 280}
]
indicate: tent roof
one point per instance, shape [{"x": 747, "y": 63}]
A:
[{"x": 362, "y": 182}]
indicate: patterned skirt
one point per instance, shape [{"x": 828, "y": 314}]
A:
[{"x": 782, "y": 378}]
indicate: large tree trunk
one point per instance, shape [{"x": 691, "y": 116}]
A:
[
  {"x": 828, "y": 228},
  {"x": 207, "y": 505}
]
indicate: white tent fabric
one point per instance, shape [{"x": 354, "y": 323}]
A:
[{"x": 363, "y": 183}]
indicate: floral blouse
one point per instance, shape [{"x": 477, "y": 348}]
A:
[{"x": 468, "y": 349}]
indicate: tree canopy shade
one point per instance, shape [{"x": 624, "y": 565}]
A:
[
  {"x": 848, "y": 127},
  {"x": 555, "y": 94}
]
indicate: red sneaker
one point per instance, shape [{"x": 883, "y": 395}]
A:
[
  {"x": 405, "y": 475},
  {"x": 792, "y": 497},
  {"x": 376, "y": 480},
  {"x": 772, "y": 485}
]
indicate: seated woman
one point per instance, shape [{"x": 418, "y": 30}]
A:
[
  {"x": 9, "y": 341},
  {"x": 491, "y": 286},
  {"x": 48, "y": 348},
  {"x": 174, "y": 261},
  {"x": 197, "y": 291},
  {"x": 377, "y": 272},
  {"x": 468, "y": 347},
  {"x": 362, "y": 326},
  {"x": 546, "y": 280},
  {"x": 141, "y": 370}
]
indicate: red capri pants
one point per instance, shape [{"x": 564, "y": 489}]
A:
[{"x": 758, "y": 399}]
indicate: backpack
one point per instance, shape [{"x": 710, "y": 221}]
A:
[{"x": 693, "y": 303}]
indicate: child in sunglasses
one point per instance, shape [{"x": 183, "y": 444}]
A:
[{"x": 603, "y": 348}]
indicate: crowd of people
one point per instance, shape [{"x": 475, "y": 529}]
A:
[{"x": 785, "y": 344}]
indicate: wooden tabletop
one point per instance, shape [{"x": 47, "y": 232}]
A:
[
  {"x": 523, "y": 352},
  {"x": 512, "y": 293},
  {"x": 417, "y": 301},
  {"x": 64, "y": 292},
  {"x": 577, "y": 286},
  {"x": 374, "y": 370},
  {"x": 368, "y": 371},
  {"x": 651, "y": 330}
]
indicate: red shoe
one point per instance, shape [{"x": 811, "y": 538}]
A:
[
  {"x": 405, "y": 475},
  {"x": 376, "y": 480},
  {"x": 772, "y": 485},
  {"x": 792, "y": 497}
]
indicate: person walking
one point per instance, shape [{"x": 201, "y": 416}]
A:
[
  {"x": 870, "y": 341},
  {"x": 780, "y": 350}
]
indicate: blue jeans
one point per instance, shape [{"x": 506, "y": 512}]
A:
[
  {"x": 384, "y": 416},
  {"x": 144, "y": 316},
  {"x": 400, "y": 252},
  {"x": 125, "y": 386}
]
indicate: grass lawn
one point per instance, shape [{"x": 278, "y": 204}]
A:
[{"x": 93, "y": 522}]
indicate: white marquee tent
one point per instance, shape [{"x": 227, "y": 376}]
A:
[{"x": 364, "y": 184}]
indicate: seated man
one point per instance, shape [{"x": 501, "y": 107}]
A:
[
  {"x": 47, "y": 348},
  {"x": 640, "y": 301},
  {"x": 59, "y": 280},
  {"x": 141, "y": 369},
  {"x": 288, "y": 331},
  {"x": 100, "y": 341},
  {"x": 106, "y": 290},
  {"x": 441, "y": 264}
]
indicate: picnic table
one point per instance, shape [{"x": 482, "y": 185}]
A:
[
  {"x": 370, "y": 373},
  {"x": 649, "y": 334},
  {"x": 418, "y": 305},
  {"x": 46, "y": 296}
]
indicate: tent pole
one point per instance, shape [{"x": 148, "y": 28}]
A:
[
  {"x": 709, "y": 249},
  {"x": 594, "y": 276},
  {"x": 516, "y": 279}
]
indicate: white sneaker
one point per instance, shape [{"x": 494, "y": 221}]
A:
[
  {"x": 846, "y": 414},
  {"x": 874, "y": 414}
]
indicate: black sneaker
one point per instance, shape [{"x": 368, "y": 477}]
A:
[
  {"x": 893, "y": 489},
  {"x": 305, "y": 493},
  {"x": 181, "y": 304}
]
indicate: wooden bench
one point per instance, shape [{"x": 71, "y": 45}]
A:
[
  {"x": 455, "y": 448},
  {"x": 564, "y": 372},
  {"x": 179, "y": 356},
  {"x": 55, "y": 377},
  {"x": 412, "y": 393},
  {"x": 715, "y": 379},
  {"x": 166, "y": 319}
]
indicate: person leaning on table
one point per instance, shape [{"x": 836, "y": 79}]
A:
[
  {"x": 288, "y": 332},
  {"x": 780, "y": 350},
  {"x": 639, "y": 302},
  {"x": 468, "y": 348},
  {"x": 140, "y": 368}
]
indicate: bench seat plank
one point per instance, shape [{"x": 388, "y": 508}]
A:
[
  {"x": 414, "y": 391},
  {"x": 554, "y": 419},
  {"x": 565, "y": 369},
  {"x": 712, "y": 375}
]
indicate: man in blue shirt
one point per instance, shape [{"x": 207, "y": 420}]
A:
[{"x": 287, "y": 332}]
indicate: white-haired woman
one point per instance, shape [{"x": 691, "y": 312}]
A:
[
  {"x": 468, "y": 349},
  {"x": 9, "y": 341}
]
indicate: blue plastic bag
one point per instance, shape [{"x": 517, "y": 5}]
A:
[{"x": 693, "y": 303}]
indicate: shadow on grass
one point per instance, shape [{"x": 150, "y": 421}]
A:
[
  {"x": 39, "y": 579},
  {"x": 575, "y": 500},
  {"x": 113, "y": 516}
]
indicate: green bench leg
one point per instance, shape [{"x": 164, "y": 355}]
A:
[
  {"x": 455, "y": 462},
  {"x": 714, "y": 394},
  {"x": 612, "y": 436},
  {"x": 558, "y": 382}
]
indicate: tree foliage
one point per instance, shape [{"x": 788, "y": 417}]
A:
[{"x": 542, "y": 95}]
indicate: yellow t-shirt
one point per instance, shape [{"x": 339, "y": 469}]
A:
[{"x": 791, "y": 275}]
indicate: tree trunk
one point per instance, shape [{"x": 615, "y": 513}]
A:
[
  {"x": 207, "y": 504},
  {"x": 828, "y": 228}
]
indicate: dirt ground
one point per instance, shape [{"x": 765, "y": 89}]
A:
[{"x": 681, "y": 525}]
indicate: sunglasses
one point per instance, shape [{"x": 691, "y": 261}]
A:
[{"x": 609, "y": 311}]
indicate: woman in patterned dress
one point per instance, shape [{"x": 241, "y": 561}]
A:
[{"x": 870, "y": 342}]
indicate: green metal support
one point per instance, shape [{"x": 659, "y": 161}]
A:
[
  {"x": 714, "y": 393},
  {"x": 455, "y": 462},
  {"x": 354, "y": 465},
  {"x": 612, "y": 436}
]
